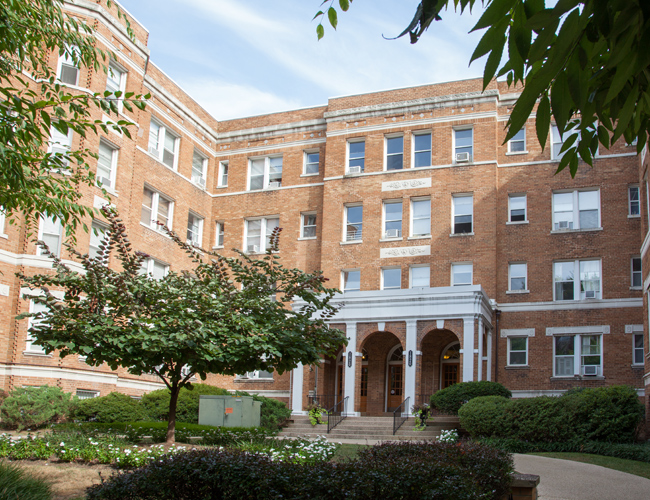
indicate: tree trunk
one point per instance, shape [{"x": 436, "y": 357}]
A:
[{"x": 171, "y": 419}]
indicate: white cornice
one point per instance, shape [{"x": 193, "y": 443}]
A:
[
  {"x": 270, "y": 147},
  {"x": 262, "y": 191},
  {"x": 419, "y": 169},
  {"x": 255, "y": 134},
  {"x": 570, "y": 305},
  {"x": 37, "y": 261}
]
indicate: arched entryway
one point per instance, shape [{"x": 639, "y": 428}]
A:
[
  {"x": 395, "y": 378},
  {"x": 440, "y": 362},
  {"x": 380, "y": 377},
  {"x": 450, "y": 365}
]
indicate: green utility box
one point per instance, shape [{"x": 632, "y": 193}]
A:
[{"x": 229, "y": 411}]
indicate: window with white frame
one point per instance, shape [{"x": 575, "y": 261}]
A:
[
  {"x": 154, "y": 268},
  {"x": 517, "y": 208},
  {"x": 86, "y": 394},
  {"x": 312, "y": 159},
  {"x": 223, "y": 174},
  {"x": 67, "y": 70},
  {"x": 395, "y": 152},
  {"x": 420, "y": 217},
  {"x": 97, "y": 236},
  {"x": 393, "y": 219},
  {"x": 634, "y": 201},
  {"x": 353, "y": 227},
  {"x": 35, "y": 308},
  {"x": 461, "y": 274},
  {"x": 637, "y": 276},
  {"x": 220, "y": 231},
  {"x": 258, "y": 233},
  {"x": 308, "y": 225},
  {"x": 194, "y": 229},
  {"x": 51, "y": 233},
  {"x": 199, "y": 168},
  {"x": 351, "y": 280},
  {"x": 576, "y": 210},
  {"x": 2, "y": 221},
  {"x": 156, "y": 208},
  {"x": 557, "y": 141},
  {"x": 116, "y": 82},
  {"x": 517, "y": 351},
  {"x": 163, "y": 144},
  {"x": 106, "y": 165},
  {"x": 518, "y": 277},
  {"x": 463, "y": 211},
  {"x": 577, "y": 355},
  {"x": 567, "y": 287},
  {"x": 60, "y": 144},
  {"x": 463, "y": 145},
  {"x": 518, "y": 143},
  {"x": 356, "y": 156},
  {"x": 637, "y": 349},
  {"x": 421, "y": 149},
  {"x": 257, "y": 375},
  {"x": 265, "y": 173},
  {"x": 420, "y": 276},
  {"x": 391, "y": 278}
]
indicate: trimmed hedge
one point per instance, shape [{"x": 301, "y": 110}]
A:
[
  {"x": 610, "y": 414},
  {"x": 435, "y": 471},
  {"x": 450, "y": 399},
  {"x": 114, "y": 407},
  {"x": 34, "y": 407}
]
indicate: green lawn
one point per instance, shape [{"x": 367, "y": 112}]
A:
[
  {"x": 347, "y": 451},
  {"x": 630, "y": 466}
]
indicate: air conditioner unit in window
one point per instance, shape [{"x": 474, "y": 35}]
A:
[
  {"x": 354, "y": 170},
  {"x": 462, "y": 157},
  {"x": 275, "y": 184},
  {"x": 590, "y": 294},
  {"x": 563, "y": 224},
  {"x": 590, "y": 370},
  {"x": 392, "y": 233},
  {"x": 154, "y": 151},
  {"x": 253, "y": 248}
]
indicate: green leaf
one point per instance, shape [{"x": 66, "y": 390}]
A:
[
  {"x": 320, "y": 31},
  {"x": 543, "y": 120},
  {"x": 561, "y": 100},
  {"x": 332, "y": 16},
  {"x": 496, "y": 10},
  {"x": 319, "y": 13},
  {"x": 492, "y": 63},
  {"x": 492, "y": 40},
  {"x": 344, "y": 4}
]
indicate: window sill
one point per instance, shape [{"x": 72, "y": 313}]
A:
[
  {"x": 636, "y": 288},
  {"x": 109, "y": 190},
  {"x": 578, "y": 377},
  {"x": 517, "y": 367},
  {"x": 310, "y": 175},
  {"x": 515, "y": 153},
  {"x": 355, "y": 242},
  {"x": 578, "y": 300},
  {"x": 411, "y": 238},
  {"x": 564, "y": 231},
  {"x": 460, "y": 235},
  {"x": 222, "y": 187},
  {"x": 217, "y": 247},
  {"x": 156, "y": 230},
  {"x": 634, "y": 216},
  {"x": 158, "y": 160},
  {"x": 516, "y": 222},
  {"x": 253, "y": 381},
  {"x": 638, "y": 367},
  {"x": 353, "y": 174},
  {"x": 516, "y": 292},
  {"x": 307, "y": 239},
  {"x": 37, "y": 354},
  {"x": 390, "y": 239},
  {"x": 5, "y": 236}
]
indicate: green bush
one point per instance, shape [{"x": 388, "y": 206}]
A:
[
  {"x": 16, "y": 484},
  {"x": 450, "y": 399},
  {"x": 273, "y": 412},
  {"x": 156, "y": 403},
  {"x": 34, "y": 407},
  {"x": 482, "y": 415},
  {"x": 114, "y": 407}
]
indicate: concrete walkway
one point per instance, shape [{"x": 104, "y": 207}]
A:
[{"x": 567, "y": 480}]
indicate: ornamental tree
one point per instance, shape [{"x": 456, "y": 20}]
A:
[{"x": 224, "y": 315}]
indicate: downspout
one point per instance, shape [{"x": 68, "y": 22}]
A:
[{"x": 496, "y": 347}]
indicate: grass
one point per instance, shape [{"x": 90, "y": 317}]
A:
[
  {"x": 347, "y": 451},
  {"x": 630, "y": 466},
  {"x": 16, "y": 484}
]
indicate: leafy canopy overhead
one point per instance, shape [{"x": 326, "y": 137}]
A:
[{"x": 585, "y": 64}]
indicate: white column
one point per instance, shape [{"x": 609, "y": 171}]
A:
[
  {"x": 410, "y": 372},
  {"x": 350, "y": 366},
  {"x": 480, "y": 349},
  {"x": 296, "y": 391},
  {"x": 468, "y": 349},
  {"x": 489, "y": 355}
]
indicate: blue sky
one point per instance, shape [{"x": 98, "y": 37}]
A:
[{"x": 240, "y": 58}]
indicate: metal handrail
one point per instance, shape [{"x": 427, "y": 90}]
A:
[
  {"x": 337, "y": 413},
  {"x": 396, "y": 412},
  {"x": 323, "y": 400}
]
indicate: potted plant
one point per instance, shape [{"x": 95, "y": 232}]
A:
[
  {"x": 317, "y": 414},
  {"x": 421, "y": 413}
]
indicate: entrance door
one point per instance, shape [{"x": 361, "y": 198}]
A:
[
  {"x": 449, "y": 374},
  {"x": 363, "y": 400},
  {"x": 395, "y": 384},
  {"x": 339, "y": 384}
]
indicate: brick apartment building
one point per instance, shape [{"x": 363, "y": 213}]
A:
[{"x": 459, "y": 258}]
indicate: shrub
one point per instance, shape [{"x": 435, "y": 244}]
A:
[
  {"x": 389, "y": 471},
  {"x": 482, "y": 416},
  {"x": 34, "y": 407},
  {"x": 115, "y": 407},
  {"x": 16, "y": 484},
  {"x": 273, "y": 412},
  {"x": 156, "y": 403},
  {"x": 450, "y": 399}
]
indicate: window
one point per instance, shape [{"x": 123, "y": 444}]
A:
[
  {"x": 634, "y": 201},
  {"x": 97, "y": 235},
  {"x": 353, "y": 222},
  {"x": 557, "y": 141},
  {"x": 568, "y": 288},
  {"x": 395, "y": 153},
  {"x": 392, "y": 219},
  {"x": 67, "y": 70},
  {"x": 220, "y": 233},
  {"x": 35, "y": 307},
  {"x": 421, "y": 150},
  {"x": 463, "y": 209},
  {"x": 518, "y": 277},
  {"x": 265, "y": 173},
  {"x": 106, "y": 165},
  {"x": 154, "y": 268},
  {"x": 258, "y": 375},
  {"x": 518, "y": 143},
  {"x": 638, "y": 349},
  {"x": 463, "y": 145},
  {"x": 391, "y": 279},
  {"x": 637, "y": 276},
  {"x": 312, "y": 159},
  {"x": 578, "y": 351},
  {"x": 517, "y": 208},
  {"x": 308, "y": 225},
  {"x": 51, "y": 233},
  {"x": 116, "y": 82},
  {"x": 2, "y": 222},
  {"x": 351, "y": 281},
  {"x": 517, "y": 351},
  {"x": 156, "y": 208},
  {"x": 60, "y": 144},
  {"x": 223, "y": 174},
  {"x": 84, "y": 394},
  {"x": 199, "y": 168},
  {"x": 420, "y": 277},
  {"x": 258, "y": 234},
  {"x": 461, "y": 274},
  {"x": 576, "y": 210},
  {"x": 194, "y": 229},
  {"x": 163, "y": 144},
  {"x": 356, "y": 156},
  {"x": 420, "y": 217}
]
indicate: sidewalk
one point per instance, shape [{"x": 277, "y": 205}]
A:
[{"x": 567, "y": 480}]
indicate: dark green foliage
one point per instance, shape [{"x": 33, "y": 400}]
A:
[
  {"x": 441, "y": 471},
  {"x": 115, "y": 407},
  {"x": 449, "y": 400},
  {"x": 156, "y": 403},
  {"x": 273, "y": 412},
  {"x": 34, "y": 407},
  {"x": 16, "y": 484}
]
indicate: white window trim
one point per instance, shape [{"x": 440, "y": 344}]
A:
[
  {"x": 255, "y": 375},
  {"x": 413, "y": 135},
  {"x": 220, "y": 228},
  {"x": 200, "y": 230},
  {"x": 204, "y": 169},
  {"x": 471, "y": 264},
  {"x": 122, "y": 84},
  {"x": 56, "y": 251},
  {"x": 154, "y": 211},
  {"x": 634, "y": 348},
  {"x": 101, "y": 227},
  {"x": 67, "y": 146},
  {"x": 86, "y": 394},
  {"x": 345, "y": 223},
  {"x": 518, "y": 195},
  {"x": 526, "y": 338},
  {"x": 510, "y": 290},
  {"x": 382, "y": 284},
  {"x": 302, "y": 225},
  {"x": 632, "y": 287},
  {"x": 576, "y": 279},
  {"x": 392, "y": 136},
  {"x": 413, "y": 200},
  {"x": 453, "y": 213},
  {"x": 30, "y": 346},
  {"x": 149, "y": 264},
  {"x": 552, "y": 144},
  {"x": 3, "y": 219},
  {"x": 576, "y": 210},
  {"x": 419, "y": 266},
  {"x": 223, "y": 165},
  {"x": 343, "y": 271},
  {"x": 267, "y": 164},
  {"x": 113, "y": 174},
  {"x": 264, "y": 219},
  {"x": 347, "y": 154},
  {"x": 629, "y": 201},
  {"x": 162, "y": 132},
  {"x": 525, "y": 151},
  {"x": 65, "y": 58},
  {"x": 384, "y": 237},
  {"x": 305, "y": 155},
  {"x": 453, "y": 145},
  {"x": 577, "y": 355}
]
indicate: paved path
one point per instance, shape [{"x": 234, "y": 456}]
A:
[{"x": 567, "y": 480}]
